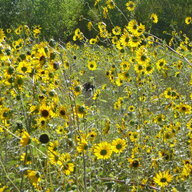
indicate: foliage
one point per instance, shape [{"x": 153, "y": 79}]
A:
[
  {"x": 59, "y": 18},
  {"x": 81, "y": 116},
  {"x": 56, "y": 18}
]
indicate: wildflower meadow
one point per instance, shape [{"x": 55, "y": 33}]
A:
[{"x": 106, "y": 112}]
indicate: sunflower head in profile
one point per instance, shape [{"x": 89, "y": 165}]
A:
[
  {"x": 188, "y": 20},
  {"x": 154, "y": 18},
  {"x": 81, "y": 110},
  {"x": 25, "y": 139}
]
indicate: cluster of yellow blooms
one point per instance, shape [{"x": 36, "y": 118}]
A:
[{"x": 72, "y": 116}]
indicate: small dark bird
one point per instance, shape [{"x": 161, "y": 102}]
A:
[
  {"x": 88, "y": 86},
  {"x": 88, "y": 89}
]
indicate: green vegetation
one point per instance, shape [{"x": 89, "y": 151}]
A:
[
  {"x": 58, "y": 18},
  {"x": 110, "y": 110}
]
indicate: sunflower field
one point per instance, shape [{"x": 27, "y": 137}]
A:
[{"x": 111, "y": 111}]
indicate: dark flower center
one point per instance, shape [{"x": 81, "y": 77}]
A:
[
  {"x": 103, "y": 152},
  {"x": 119, "y": 146},
  {"x": 62, "y": 112},
  {"x": 163, "y": 180},
  {"x": 45, "y": 113},
  {"x": 135, "y": 163},
  {"x": 44, "y": 138}
]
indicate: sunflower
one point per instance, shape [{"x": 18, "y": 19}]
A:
[
  {"x": 130, "y": 5},
  {"x": 134, "y": 41},
  {"x": 163, "y": 178},
  {"x": 2, "y": 35},
  {"x": 140, "y": 30},
  {"x": 114, "y": 40},
  {"x": 93, "y": 41},
  {"x": 159, "y": 118},
  {"x": 188, "y": 20},
  {"x": 161, "y": 64},
  {"x": 36, "y": 30},
  {"x": 89, "y": 25},
  {"x": 139, "y": 68},
  {"x": 110, "y": 4},
  {"x": 119, "y": 45},
  {"x": 34, "y": 177},
  {"x": 118, "y": 145},
  {"x": 124, "y": 39},
  {"x": 102, "y": 26},
  {"x": 149, "y": 68},
  {"x": 19, "y": 30},
  {"x": 134, "y": 162},
  {"x": 170, "y": 93},
  {"x": 92, "y": 65},
  {"x": 125, "y": 65},
  {"x": 92, "y": 135},
  {"x": 154, "y": 18},
  {"x": 105, "y": 12},
  {"x": 132, "y": 26},
  {"x": 77, "y": 88},
  {"x": 103, "y": 150},
  {"x": 82, "y": 146},
  {"x": 24, "y": 67},
  {"x": 106, "y": 127},
  {"x": 116, "y": 30},
  {"x": 184, "y": 108},
  {"x": 5, "y": 113},
  {"x": 41, "y": 122},
  {"x": 125, "y": 76},
  {"x": 81, "y": 111},
  {"x": 45, "y": 111},
  {"x": 142, "y": 56},
  {"x": 25, "y": 139},
  {"x": 68, "y": 168},
  {"x": 131, "y": 108},
  {"x": 189, "y": 124},
  {"x": 26, "y": 158}
]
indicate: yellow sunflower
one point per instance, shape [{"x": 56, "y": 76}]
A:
[
  {"x": 118, "y": 145},
  {"x": 130, "y": 5},
  {"x": 103, "y": 150},
  {"x": 82, "y": 146},
  {"x": 68, "y": 168},
  {"x": 188, "y": 20},
  {"x": 125, "y": 65},
  {"x": 132, "y": 26},
  {"x": 184, "y": 108},
  {"x": 163, "y": 178},
  {"x": 116, "y": 30},
  {"x": 110, "y": 4},
  {"x": 154, "y": 18},
  {"x": 124, "y": 39},
  {"x": 62, "y": 112},
  {"x": 92, "y": 65},
  {"x": 161, "y": 64},
  {"x": 2, "y": 35},
  {"x": 34, "y": 177},
  {"x": 81, "y": 111},
  {"x": 45, "y": 111},
  {"x": 25, "y": 139},
  {"x": 134, "y": 162},
  {"x": 134, "y": 41}
]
